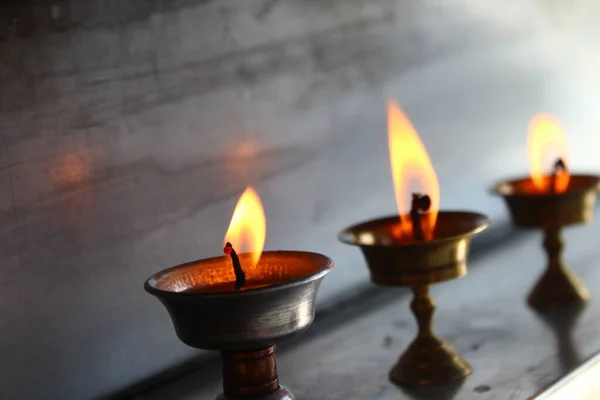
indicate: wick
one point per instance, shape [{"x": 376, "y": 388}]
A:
[
  {"x": 559, "y": 167},
  {"x": 240, "y": 276},
  {"x": 420, "y": 204}
]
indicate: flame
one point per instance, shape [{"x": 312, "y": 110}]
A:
[
  {"x": 410, "y": 162},
  {"x": 248, "y": 227},
  {"x": 547, "y": 143}
]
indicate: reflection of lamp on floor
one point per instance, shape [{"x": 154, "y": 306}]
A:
[
  {"x": 581, "y": 384},
  {"x": 562, "y": 323}
]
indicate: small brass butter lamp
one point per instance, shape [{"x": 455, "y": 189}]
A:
[
  {"x": 550, "y": 202},
  {"x": 417, "y": 249},
  {"x": 396, "y": 262},
  {"x": 243, "y": 304}
]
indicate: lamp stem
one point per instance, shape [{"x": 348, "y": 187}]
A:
[
  {"x": 558, "y": 287},
  {"x": 423, "y": 307},
  {"x": 553, "y": 244},
  {"x": 249, "y": 373}
]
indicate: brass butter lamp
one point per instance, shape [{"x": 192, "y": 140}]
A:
[
  {"x": 242, "y": 305},
  {"x": 396, "y": 262},
  {"x": 417, "y": 249},
  {"x": 551, "y": 202}
]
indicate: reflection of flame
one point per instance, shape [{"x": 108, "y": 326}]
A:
[
  {"x": 71, "y": 174},
  {"x": 410, "y": 162},
  {"x": 248, "y": 227},
  {"x": 71, "y": 168},
  {"x": 547, "y": 143}
]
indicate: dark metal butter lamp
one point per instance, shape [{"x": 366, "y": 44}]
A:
[
  {"x": 550, "y": 202},
  {"x": 417, "y": 249},
  {"x": 243, "y": 304}
]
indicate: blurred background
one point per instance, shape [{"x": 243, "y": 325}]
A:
[{"x": 128, "y": 129}]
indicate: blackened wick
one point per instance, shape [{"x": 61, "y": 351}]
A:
[
  {"x": 420, "y": 204},
  {"x": 559, "y": 167},
  {"x": 240, "y": 276}
]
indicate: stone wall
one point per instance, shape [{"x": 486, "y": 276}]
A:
[{"x": 129, "y": 128}]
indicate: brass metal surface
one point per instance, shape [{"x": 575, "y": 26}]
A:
[
  {"x": 243, "y": 324},
  {"x": 558, "y": 286},
  {"x": 428, "y": 360},
  {"x": 531, "y": 209},
  {"x": 249, "y": 373},
  {"x": 394, "y": 262}
]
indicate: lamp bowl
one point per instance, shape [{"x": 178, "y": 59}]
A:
[
  {"x": 396, "y": 262},
  {"x": 209, "y": 313},
  {"x": 531, "y": 209}
]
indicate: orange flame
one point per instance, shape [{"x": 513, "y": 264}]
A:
[
  {"x": 410, "y": 162},
  {"x": 547, "y": 143},
  {"x": 248, "y": 227}
]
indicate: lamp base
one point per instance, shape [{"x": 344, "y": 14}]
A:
[
  {"x": 429, "y": 361},
  {"x": 558, "y": 288},
  {"x": 280, "y": 394}
]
